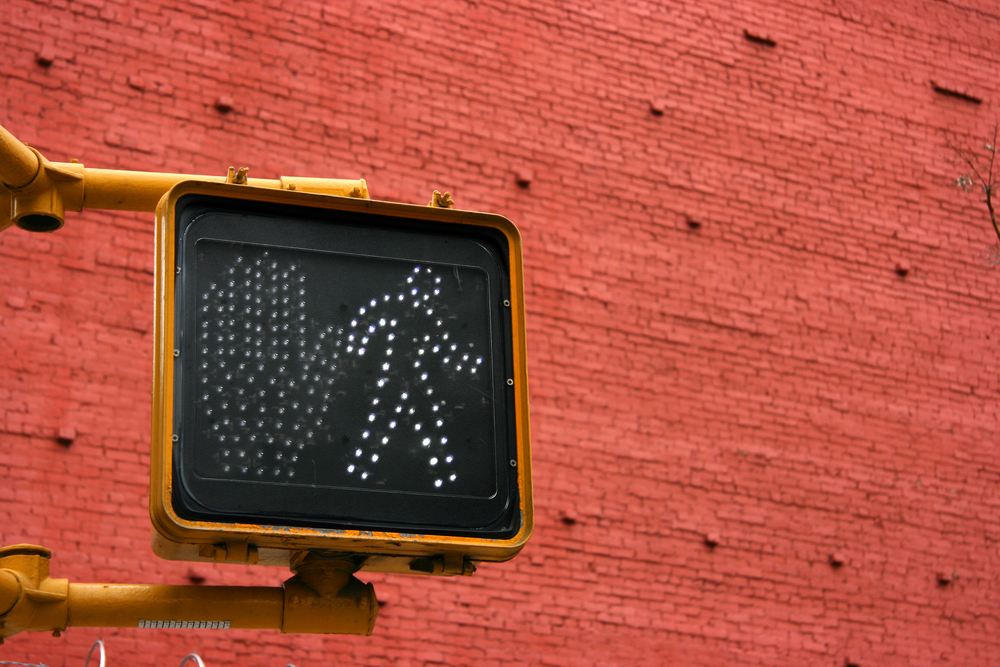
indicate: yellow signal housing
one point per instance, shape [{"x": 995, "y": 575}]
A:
[{"x": 338, "y": 376}]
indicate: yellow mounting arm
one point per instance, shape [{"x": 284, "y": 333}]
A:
[
  {"x": 40, "y": 192},
  {"x": 323, "y": 597}
]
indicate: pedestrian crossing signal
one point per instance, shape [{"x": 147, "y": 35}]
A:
[{"x": 340, "y": 375}]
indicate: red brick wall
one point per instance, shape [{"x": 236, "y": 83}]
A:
[{"x": 766, "y": 380}]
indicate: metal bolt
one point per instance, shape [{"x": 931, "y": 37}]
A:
[
  {"x": 174, "y": 437},
  {"x": 513, "y": 463},
  {"x": 506, "y": 303},
  {"x": 510, "y": 383},
  {"x": 178, "y": 270},
  {"x": 177, "y": 353}
]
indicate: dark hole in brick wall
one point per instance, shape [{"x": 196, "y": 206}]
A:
[
  {"x": 224, "y": 104},
  {"x": 65, "y": 436},
  {"x": 758, "y": 37},
  {"x": 45, "y": 56},
  {"x": 954, "y": 91}
]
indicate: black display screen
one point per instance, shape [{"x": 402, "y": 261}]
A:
[{"x": 337, "y": 371}]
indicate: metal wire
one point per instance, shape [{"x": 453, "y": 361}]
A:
[
  {"x": 22, "y": 664},
  {"x": 195, "y": 656},
  {"x": 99, "y": 642}
]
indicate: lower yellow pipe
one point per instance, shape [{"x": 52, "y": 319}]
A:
[
  {"x": 322, "y": 598},
  {"x": 136, "y": 605}
]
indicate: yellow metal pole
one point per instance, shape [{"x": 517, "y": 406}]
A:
[
  {"x": 322, "y": 598},
  {"x": 141, "y": 190},
  {"x": 19, "y": 164},
  {"x": 153, "y": 606},
  {"x": 41, "y": 191}
]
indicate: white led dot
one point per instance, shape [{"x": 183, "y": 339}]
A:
[
  {"x": 434, "y": 461},
  {"x": 371, "y": 417},
  {"x": 437, "y": 482},
  {"x": 350, "y": 468},
  {"x": 374, "y": 458},
  {"x": 426, "y": 442}
]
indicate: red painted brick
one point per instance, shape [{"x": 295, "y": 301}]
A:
[{"x": 765, "y": 377}]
